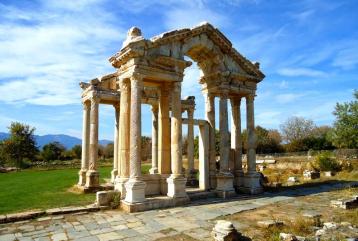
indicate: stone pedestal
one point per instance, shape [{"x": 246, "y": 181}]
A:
[
  {"x": 82, "y": 177},
  {"x": 119, "y": 186},
  {"x": 135, "y": 191},
  {"x": 252, "y": 183},
  {"x": 225, "y": 182},
  {"x": 92, "y": 179},
  {"x": 164, "y": 184},
  {"x": 239, "y": 178},
  {"x": 176, "y": 187}
]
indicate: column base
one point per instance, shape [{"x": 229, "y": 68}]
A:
[
  {"x": 153, "y": 170},
  {"x": 239, "y": 178},
  {"x": 252, "y": 184},
  {"x": 176, "y": 187},
  {"x": 114, "y": 174},
  {"x": 92, "y": 179},
  {"x": 82, "y": 177},
  {"x": 135, "y": 191},
  {"x": 119, "y": 185},
  {"x": 224, "y": 181}
]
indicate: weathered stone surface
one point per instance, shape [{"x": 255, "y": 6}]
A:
[
  {"x": 105, "y": 198},
  {"x": 310, "y": 175},
  {"x": 292, "y": 179},
  {"x": 225, "y": 231}
]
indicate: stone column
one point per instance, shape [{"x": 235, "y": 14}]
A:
[
  {"x": 92, "y": 175},
  {"x": 236, "y": 141},
  {"x": 123, "y": 145},
  {"x": 204, "y": 157},
  {"x": 252, "y": 182},
  {"x": 164, "y": 138},
  {"x": 190, "y": 150},
  {"x": 154, "y": 168},
  {"x": 85, "y": 143},
  {"x": 135, "y": 188},
  {"x": 210, "y": 117},
  {"x": 176, "y": 181},
  {"x": 114, "y": 172},
  {"x": 225, "y": 177},
  {"x": 251, "y": 137}
]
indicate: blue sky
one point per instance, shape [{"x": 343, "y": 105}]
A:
[{"x": 307, "y": 49}]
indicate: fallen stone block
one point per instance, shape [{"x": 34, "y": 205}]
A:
[
  {"x": 292, "y": 179},
  {"x": 105, "y": 198},
  {"x": 330, "y": 225},
  {"x": 291, "y": 237},
  {"x": 345, "y": 203},
  {"x": 225, "y": 231},
  {"x": 329, "y": 174},
  {"x": 272, "y": 161},
  {"x": 270, "y": 223}
]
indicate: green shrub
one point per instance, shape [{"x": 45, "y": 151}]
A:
[{"x": 325, "y": 162}]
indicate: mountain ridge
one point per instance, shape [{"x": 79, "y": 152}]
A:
[{"x": 66, "y": 140}]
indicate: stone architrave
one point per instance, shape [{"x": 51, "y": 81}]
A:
[
  {"x": 176, "y": 181},
  {"x": 135, "y": 187},
  {"x": 123, "y": 145},
  {"x": 116, "y": 167},
  {"x": 210, "y": 117},
  {"x": 154, "y": 168},
  {"x": 85, "y": 144},
  {"x": 236, "y": 141},
  {"x": 92, "y": 175}
]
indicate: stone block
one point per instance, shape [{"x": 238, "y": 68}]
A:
[
  {"x": 105, "y": 198},
  {"x": 225, "y": 231},
  {"x": 314, "y": 217},
  {"x": 176, "y": 187},
  {"x": 310, "y": 175},
  {"x": 292, "y": 179},
  {"x": 329, "y": 174},
  {"x": 135, "y": 191}
]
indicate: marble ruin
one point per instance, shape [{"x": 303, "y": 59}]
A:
[{"x": 150, "y": 71}]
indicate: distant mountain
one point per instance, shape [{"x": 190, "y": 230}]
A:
[{"x": 66, "y": 140}]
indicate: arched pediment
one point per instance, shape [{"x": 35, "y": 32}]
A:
[{"x": 222, "y": 65}]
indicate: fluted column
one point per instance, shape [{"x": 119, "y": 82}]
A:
[
  {"x": 123, "y": 145},
  {"x": 135, "y": 188},
  {"x": 251, "y": 137},
  {"x": 85, "y": 143},
  {"x": 114, "y": 172},
  {"x": 236, "y": 141},
  {"x": 190, "y": 150},
  {"x": 225, "y": 177},
  {"x": 154, "y": 168},
  {"x": 210, "y": 117},
  {"x": 176, "y": 181},
  {"x": 92, "y": 176}
]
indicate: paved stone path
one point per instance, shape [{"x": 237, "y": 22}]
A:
[{"x": 195, "y": 221}]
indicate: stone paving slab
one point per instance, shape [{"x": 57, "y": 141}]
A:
[{"x": 195, "y": 221}]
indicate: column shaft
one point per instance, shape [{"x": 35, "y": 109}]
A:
[
  {"x": 251, "y": 137},
  {"x": 224, "y": 135},
  {"x": 154, "y": 168},
  {"x": 135, "y": 129},
  {"x": 176, "y": 132},
  {"x": 210, "y": 117},
  {"x": 124, "y": 120},
  {"x": 190, "y": 151},
  {"x": 114, "y": 172},
  {"x": 236, "y": 142},
  {"x": 85, "y": 143}
]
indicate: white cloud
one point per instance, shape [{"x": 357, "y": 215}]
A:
[
  {"x": 347, "y": 58},
  {"x": 288, "y": 97},
  {"x": 308, "y": 72},
  {"x": 60, "y": 45}
]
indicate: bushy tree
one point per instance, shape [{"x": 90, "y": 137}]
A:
[
  {"x": 20, "y": 146},
  {"x": 77, "y": 151},
  {"x": 296, "y": 128},
  {"x": 53, "y": 151},
  {"x": 268, "y": 141},
  {"x": 345, "y": 132}
]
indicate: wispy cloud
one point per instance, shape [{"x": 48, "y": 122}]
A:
[
  {"x": 45, "y": 57},
  {"x": 293, "y": 72}
]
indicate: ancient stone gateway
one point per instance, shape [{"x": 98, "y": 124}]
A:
[{"x": 151, "y": 72}]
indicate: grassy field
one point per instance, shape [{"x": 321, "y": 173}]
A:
[{"x": 41, "y": 189}]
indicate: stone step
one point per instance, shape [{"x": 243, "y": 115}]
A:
[{"x": 201, "y": 195}]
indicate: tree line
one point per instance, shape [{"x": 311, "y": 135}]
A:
[{"x": 295, "y": 134}]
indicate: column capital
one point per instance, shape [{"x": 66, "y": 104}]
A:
[
  {"x": 250, "y": 97},
  {"x": 190, "y": 112},
  {"x": 224, "y": 94},
  {"x": 177, "y": 86},
  {"x": 154, "y": 108},
  {"x": 95, "y": 99},
  {"x": 85, "y": 104},
  {"x": 136, "y": 77},
  {"x": 165, "y": 90},
  {"x": 236, "y": 99},
  {"x": 124, "y": 85},
  {"x": 117, "y": 105}
]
